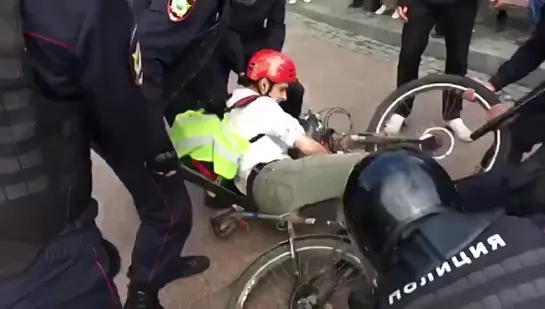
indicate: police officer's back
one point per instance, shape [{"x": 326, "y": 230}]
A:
[
  {"x": 401, "y": 210},
  {"x": 64, "y": 81},
  {"x": 176, "y": 39}
]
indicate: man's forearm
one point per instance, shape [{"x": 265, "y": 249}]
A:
[{"x": 525, "y": 60}]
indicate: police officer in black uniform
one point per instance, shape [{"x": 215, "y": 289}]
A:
[
  {"x": 64, "y": 81},
  {"x": 171, "y": 47},
  {"x": 526, "y": 129},
  {"x": 256, "y": 25},
  {"x": 402, "y": 212},
  {"x": 179, "y": 58}
]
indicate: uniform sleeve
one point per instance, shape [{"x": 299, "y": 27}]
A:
[
  {"x": 122, "y": 120},
  {"x": 52, "y": 49},
  {"x": 276, "y": 26},
  {"x": 525, "y": 60},
  {"x": 282, "y": 125}
]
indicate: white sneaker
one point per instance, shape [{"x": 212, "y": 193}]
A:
[
  {"x": 394, "y": 124},
  {"x": 292, "y": 1},
  {"x": 381, "y": 10},
  {"x": 307, "y": 1},
  {"x": 395, "y": 15},
  {"x": 460, "y": 129}
]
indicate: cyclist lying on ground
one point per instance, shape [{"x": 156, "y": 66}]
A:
[
  {"x": 250, "y": 144},
  {"x": 403, "y": 213}
]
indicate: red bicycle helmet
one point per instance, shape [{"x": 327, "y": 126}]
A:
[{"x": 274, "y": 65}]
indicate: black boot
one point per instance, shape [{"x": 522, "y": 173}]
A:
[
  {"x": 142, "y": 297},
  {"x": 178, "y": 268},
  {"x": 183, "y": 267}
]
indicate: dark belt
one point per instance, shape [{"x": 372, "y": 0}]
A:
[{"x": 251, "y": 178}]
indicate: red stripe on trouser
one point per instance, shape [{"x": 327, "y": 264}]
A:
[
  {"x": 109, "y": 283},
  {"x": 170, "y": 228}
]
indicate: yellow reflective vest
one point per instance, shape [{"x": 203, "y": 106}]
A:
[{"x": 207, "y": 138}]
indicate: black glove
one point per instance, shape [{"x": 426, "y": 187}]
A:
[{"x": 166, "y": 163}]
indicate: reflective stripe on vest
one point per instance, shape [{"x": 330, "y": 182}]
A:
[
  {"x": 206, "y": 138},
  {"x": 186, "y": 145}
]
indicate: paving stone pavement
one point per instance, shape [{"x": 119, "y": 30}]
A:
[{"x": 367, "y": 46}]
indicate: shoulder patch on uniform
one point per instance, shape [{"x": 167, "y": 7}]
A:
[
  {"x": 178, "y": 10},
  {"x": 136, "y": 57}
]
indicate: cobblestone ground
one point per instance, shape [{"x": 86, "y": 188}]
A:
[
  {"x": 366, "y": 46},
  {"x": 337, "y": 68}
]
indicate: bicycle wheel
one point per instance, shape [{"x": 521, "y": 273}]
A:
[
  {"x": 495, "y": 155},
  {"x": 261, "y": 273}
]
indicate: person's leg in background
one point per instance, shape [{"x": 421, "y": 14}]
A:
[
  {"x": 356, "y": 4},
  {"x": 458, "y": 19},
  {"x": 388, "y": 7},
  {"x": 74, "y": 271},
  {"x": 414, "y": 40},
  {"x": 164, "y": 209},
  {"x": 501, "y": 20}
]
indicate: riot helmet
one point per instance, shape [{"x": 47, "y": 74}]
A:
[{"x": 388, "y": 193}]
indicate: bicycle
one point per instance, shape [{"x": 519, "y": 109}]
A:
[
  {"x": 307, "y": 289},
  {"x": 456, "y": 85},
  {"x": 304, "y": 290}
]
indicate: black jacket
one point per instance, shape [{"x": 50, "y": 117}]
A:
[
  {"x": 525, "y": 60},
  {"x": 253, "y": 27}
]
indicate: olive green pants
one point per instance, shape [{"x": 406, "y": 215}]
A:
[{"x": 285, "y": 186}]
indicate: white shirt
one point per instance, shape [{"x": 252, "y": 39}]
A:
[{"x": 262, "y": 116}]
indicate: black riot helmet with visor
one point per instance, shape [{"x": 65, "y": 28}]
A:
[{"x": 388, "y": 193}]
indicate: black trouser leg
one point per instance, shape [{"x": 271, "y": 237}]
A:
[
  {"x": 294, "y": 103},
  {"x": 414, "y": 40},
  {"x": 165, "y": 213},
  {"x": 74, "y": 271},
  {"x": 458, "y": 20},
  {"x": 356, "y": 4}
]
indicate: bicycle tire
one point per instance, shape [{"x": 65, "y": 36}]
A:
[
  {"x": 435, "y": 81},
  {"x": 275, "y": 255}
]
